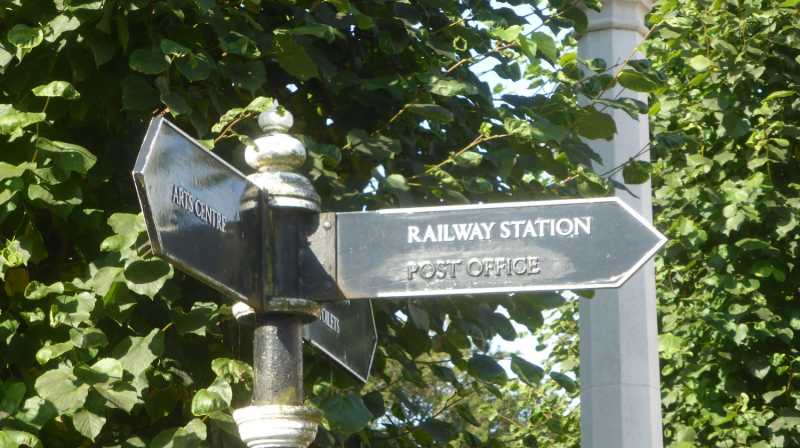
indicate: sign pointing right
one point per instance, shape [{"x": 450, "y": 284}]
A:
[{"x": 488, "y": 248}]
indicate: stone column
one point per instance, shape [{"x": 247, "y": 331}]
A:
[{"x": 620, "y": 384}]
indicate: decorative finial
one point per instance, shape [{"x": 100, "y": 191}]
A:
[{"x": 276, "y": 156}]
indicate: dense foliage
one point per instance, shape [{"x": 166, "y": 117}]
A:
[
  {"x": 103, "y": 345},
  {"x": 727, "y": 183}
]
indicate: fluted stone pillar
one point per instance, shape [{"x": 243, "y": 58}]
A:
[{"x": 620, "y": 384}]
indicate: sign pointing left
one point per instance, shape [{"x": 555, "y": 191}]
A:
[{"x": 203, "y": 215}]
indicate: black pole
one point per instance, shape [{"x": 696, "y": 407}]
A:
[{"x": 277, "y": 344}]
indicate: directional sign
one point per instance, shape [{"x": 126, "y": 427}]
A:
[
  {"x": 202, "y": 214},
  {"x": 209, "y": 220},
  {"x": 346, "y": 332},
  {"x": 477, "y": 249}
]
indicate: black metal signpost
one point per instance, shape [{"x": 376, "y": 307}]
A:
[
  {"x": 260, "y": 239},
  {"x": 209, "y": 220}
]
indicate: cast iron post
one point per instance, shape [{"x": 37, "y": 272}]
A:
[{"x": 277, "y": 418}]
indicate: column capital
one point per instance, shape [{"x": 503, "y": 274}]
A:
[{"x": 620, "y": 15}]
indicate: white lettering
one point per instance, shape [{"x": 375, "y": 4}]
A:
[{"x": 413, "y": 235}]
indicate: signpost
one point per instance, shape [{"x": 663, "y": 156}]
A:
[
  {"x": 479, "y": 249},
  {"x": 209, "y": 220},
  {"x": 262, "y": 240}
]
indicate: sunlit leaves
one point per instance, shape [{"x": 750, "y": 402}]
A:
[
  {"x": 136, "y": 353},
  {"x": 726, "y": 199},
  {"x": 61, "y": 89},
  {"x": 700, "y": 63},
  {"x": 62, "y": 388},
  {"x": 147, "y": 277},
  {"x": 12, "y": 121},
  {"x": 24, "y": 38}
]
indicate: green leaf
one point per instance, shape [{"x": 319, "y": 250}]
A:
[
  {"x": 148, "y": 61},
  {"x": 322, "y": 31},
  {"x": 110, "y": 369},
  {"x": 487, "y": 369},
  {"x": 346, "y": 413},
  {"x": 469, "y": 159},
  {"x": 13, "y": 121},
  {"x": 137, "y": 353},
  {"x": 36, "y": 412},
  {"x": 60, "y": 89},
  {"x": 509, "y": 34},
  {"x": 700, "y": 63},
  {"x": 638, "y": 82},
  {"x": 88, "y": 337},
  {"x": 432, "y": 112},
  {"x": 138, "y": 94},
  {"x": 67, "y": 156},
  {"x": 195, "y": 67},
  {"x": 52, "y": 351},
  {"x": 564, "y": 381},
  {"x": 206, "y": 402},
  {"x": 72, "y": 310},
  {"x": 293, "y": 58},
  {"x": 13, "y": 254},
  {"x": 147, "y": 277},
  {"x": 20, "y": 438},
  {"x": 61, "y": 388},
  {"x": 121, "y": 396},
  {"x": 88, "y": 423},
  {"x": 190, "y": 436},
  {"x": 546, "y": 45},
  {"x": 529, "y": 373},
  {"x": 24, "y": 38},
  {"x": 172, "y": 48},
  {"x": 636, "y": 172},
  {"x": 594, "y": 124},
  {"x": 397, "y": 182},
  {"x": 439, "y": 430},
  {"x": 379, "y": 147},
  {"x": 59, "y": 25},
  {"x": 36, "y": 290},
  {"x": 197, "y": 320},
  {"x": 539, "y": 130},
  {"x": 176, "y": 103},
  {"x": 452, "y": 87},
  {"x": 240, "y": 44},
  {"x": 12, "y": 394},
  {"x": 232, "y": 370},
  {"x": 5, "y": 58},
  {"x": 8, "y": 171},
  {"x": 779, "y": 94}
]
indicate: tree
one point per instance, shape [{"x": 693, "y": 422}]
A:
[
  {"x": 104, "y": 345},
  {"x": 725, "y": 128}
]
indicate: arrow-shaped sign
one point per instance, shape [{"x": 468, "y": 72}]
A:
[
  {"x": 481, "y": 249},
  {"x": 345, "y": 331},
  {"x": 202, "y": 214}
]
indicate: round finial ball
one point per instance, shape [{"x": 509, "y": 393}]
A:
[{"x": 275, "y": 118}]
